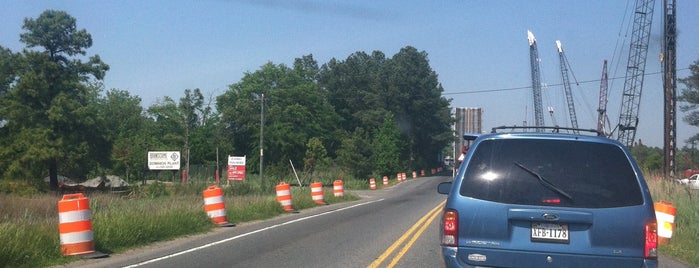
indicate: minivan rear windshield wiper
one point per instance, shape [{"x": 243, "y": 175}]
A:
[{"x": 545, "y": 182}]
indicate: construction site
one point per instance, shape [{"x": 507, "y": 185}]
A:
[{"x": 622, "y": 128}]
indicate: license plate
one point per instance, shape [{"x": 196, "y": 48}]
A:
[{"x": 550, "y": 232}]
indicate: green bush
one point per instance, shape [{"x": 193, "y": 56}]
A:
[
  {"x": 21, "y": 188},
  {"x": 153, "y": 190}
]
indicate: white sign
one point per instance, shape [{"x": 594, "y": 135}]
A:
[
  {"x": 163, "y": 160},
  {"x": 236, "y": 160}
]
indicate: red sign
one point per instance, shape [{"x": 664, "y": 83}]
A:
[{"x": 236, "y": 168}]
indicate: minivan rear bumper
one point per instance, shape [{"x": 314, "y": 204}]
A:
[{"x": 479, "y": 257}]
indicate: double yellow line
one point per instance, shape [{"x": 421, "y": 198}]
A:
[{"x": 422, "y": 224}]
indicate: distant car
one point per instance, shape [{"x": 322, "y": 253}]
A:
[
  {"x": 692, "y": 182},
  {"x": 548, "y": 199}
]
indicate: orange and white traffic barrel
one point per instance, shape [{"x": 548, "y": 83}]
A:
[
  {"x": 665, "y": 215},
  {"x": 284, "y": 196},
  {"x": 414, "y": 174},
  {"x": 422, "y": 173},
  {"x": 338, "y": 188},
  {"x": 317, "y": 193},
  {"x": 405, "y": 177},
  {"x": 372, "y": 184},
  {"x": 75, "y": 225},
  {"x": 385, "y": 180},
  {"x": 215, "y": 207}
]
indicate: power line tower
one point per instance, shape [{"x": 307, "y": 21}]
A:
[
  {"x": 635, "y": 70},
  {"x": 536, "y": 81},
  {"x": 669, "y": 61},
  {"x": 566, "y": 85},
  {"x": 602, "y": 107}
]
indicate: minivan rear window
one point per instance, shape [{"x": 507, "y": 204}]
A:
[{"x": 545, "y": 172}]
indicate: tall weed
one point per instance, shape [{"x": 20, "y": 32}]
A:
[{"x": 685, "y": 237}]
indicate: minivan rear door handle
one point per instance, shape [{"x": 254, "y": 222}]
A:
[{"x": 549, "y": 215}]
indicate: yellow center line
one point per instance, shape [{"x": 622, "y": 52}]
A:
[
  {"x": 415, "y": 237},
  {"x": 431, "y": 215}
]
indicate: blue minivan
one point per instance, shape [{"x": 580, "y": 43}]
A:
[{"x": 548, "y": 199}]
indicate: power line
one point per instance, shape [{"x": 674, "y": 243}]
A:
[{"x": 529, "y": 87}]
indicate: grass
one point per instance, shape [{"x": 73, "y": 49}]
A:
[
  {"x": 29, "y": 220},
  {"x": 29, "y": 224},
  {"x": 685, "y": 236}
]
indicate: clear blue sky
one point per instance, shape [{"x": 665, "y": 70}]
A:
[{"x": 479, "y": 49}]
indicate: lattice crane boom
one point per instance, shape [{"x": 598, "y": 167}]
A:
[
  {"x": 603, "y": 98},
  {"x": 536, "y": 80},
  {"x": 566, "y": 85},
  {"x": 635, "y": 70}
]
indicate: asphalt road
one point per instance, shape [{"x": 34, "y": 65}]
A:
[
  {"x": 397, "y": 226},
  {"x": 362, "y": 233}
]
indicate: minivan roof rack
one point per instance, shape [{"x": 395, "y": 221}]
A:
[{"x": 553, "y": 129}]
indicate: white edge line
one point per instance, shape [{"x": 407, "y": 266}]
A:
[{"x": 248, "y": 233}]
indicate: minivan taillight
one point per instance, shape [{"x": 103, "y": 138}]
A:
[
  {"x": 450, "y": 228},
  {"x": 651, "y": 246}
]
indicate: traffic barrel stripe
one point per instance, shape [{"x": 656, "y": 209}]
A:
[{"x": 75, "y": 227}]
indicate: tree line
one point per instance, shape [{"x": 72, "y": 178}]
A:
[{"x": 366, "y": 114}]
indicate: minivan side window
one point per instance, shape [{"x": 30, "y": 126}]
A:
[{"x": 565, "y": 173}]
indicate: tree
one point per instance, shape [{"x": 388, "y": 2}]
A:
[
  {"x": 363, "y": 88},
  {"x": 414, "y": 95},
  {"x": 386, "y": 147},
  {"x": 127, "y": 131},
  {"x": 316, "y": 155},
  {"x": 355, "y": 154},
  {"x": 295, "y": 110},
  {"x": 48, "y": 110},
  {"x": 7, "y": 72},
  {"x": 690, "y": 96},
  {"x": 354, "y": 87}
]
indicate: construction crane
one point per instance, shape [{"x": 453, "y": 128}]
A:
[
  {"x": 566, "y": 85},
  {"x": 536, "y": 81},
  {"x": 669, "y": 61},
  {"x": 602, "y": 107},
  {"x": 635, "y": 70}
]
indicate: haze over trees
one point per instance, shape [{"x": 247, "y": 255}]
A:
[{"x": 367, "y": 114}]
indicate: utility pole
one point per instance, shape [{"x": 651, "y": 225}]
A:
[
  {"x": 669, "y": 61},
  {"x": 262, "y": 135}
]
